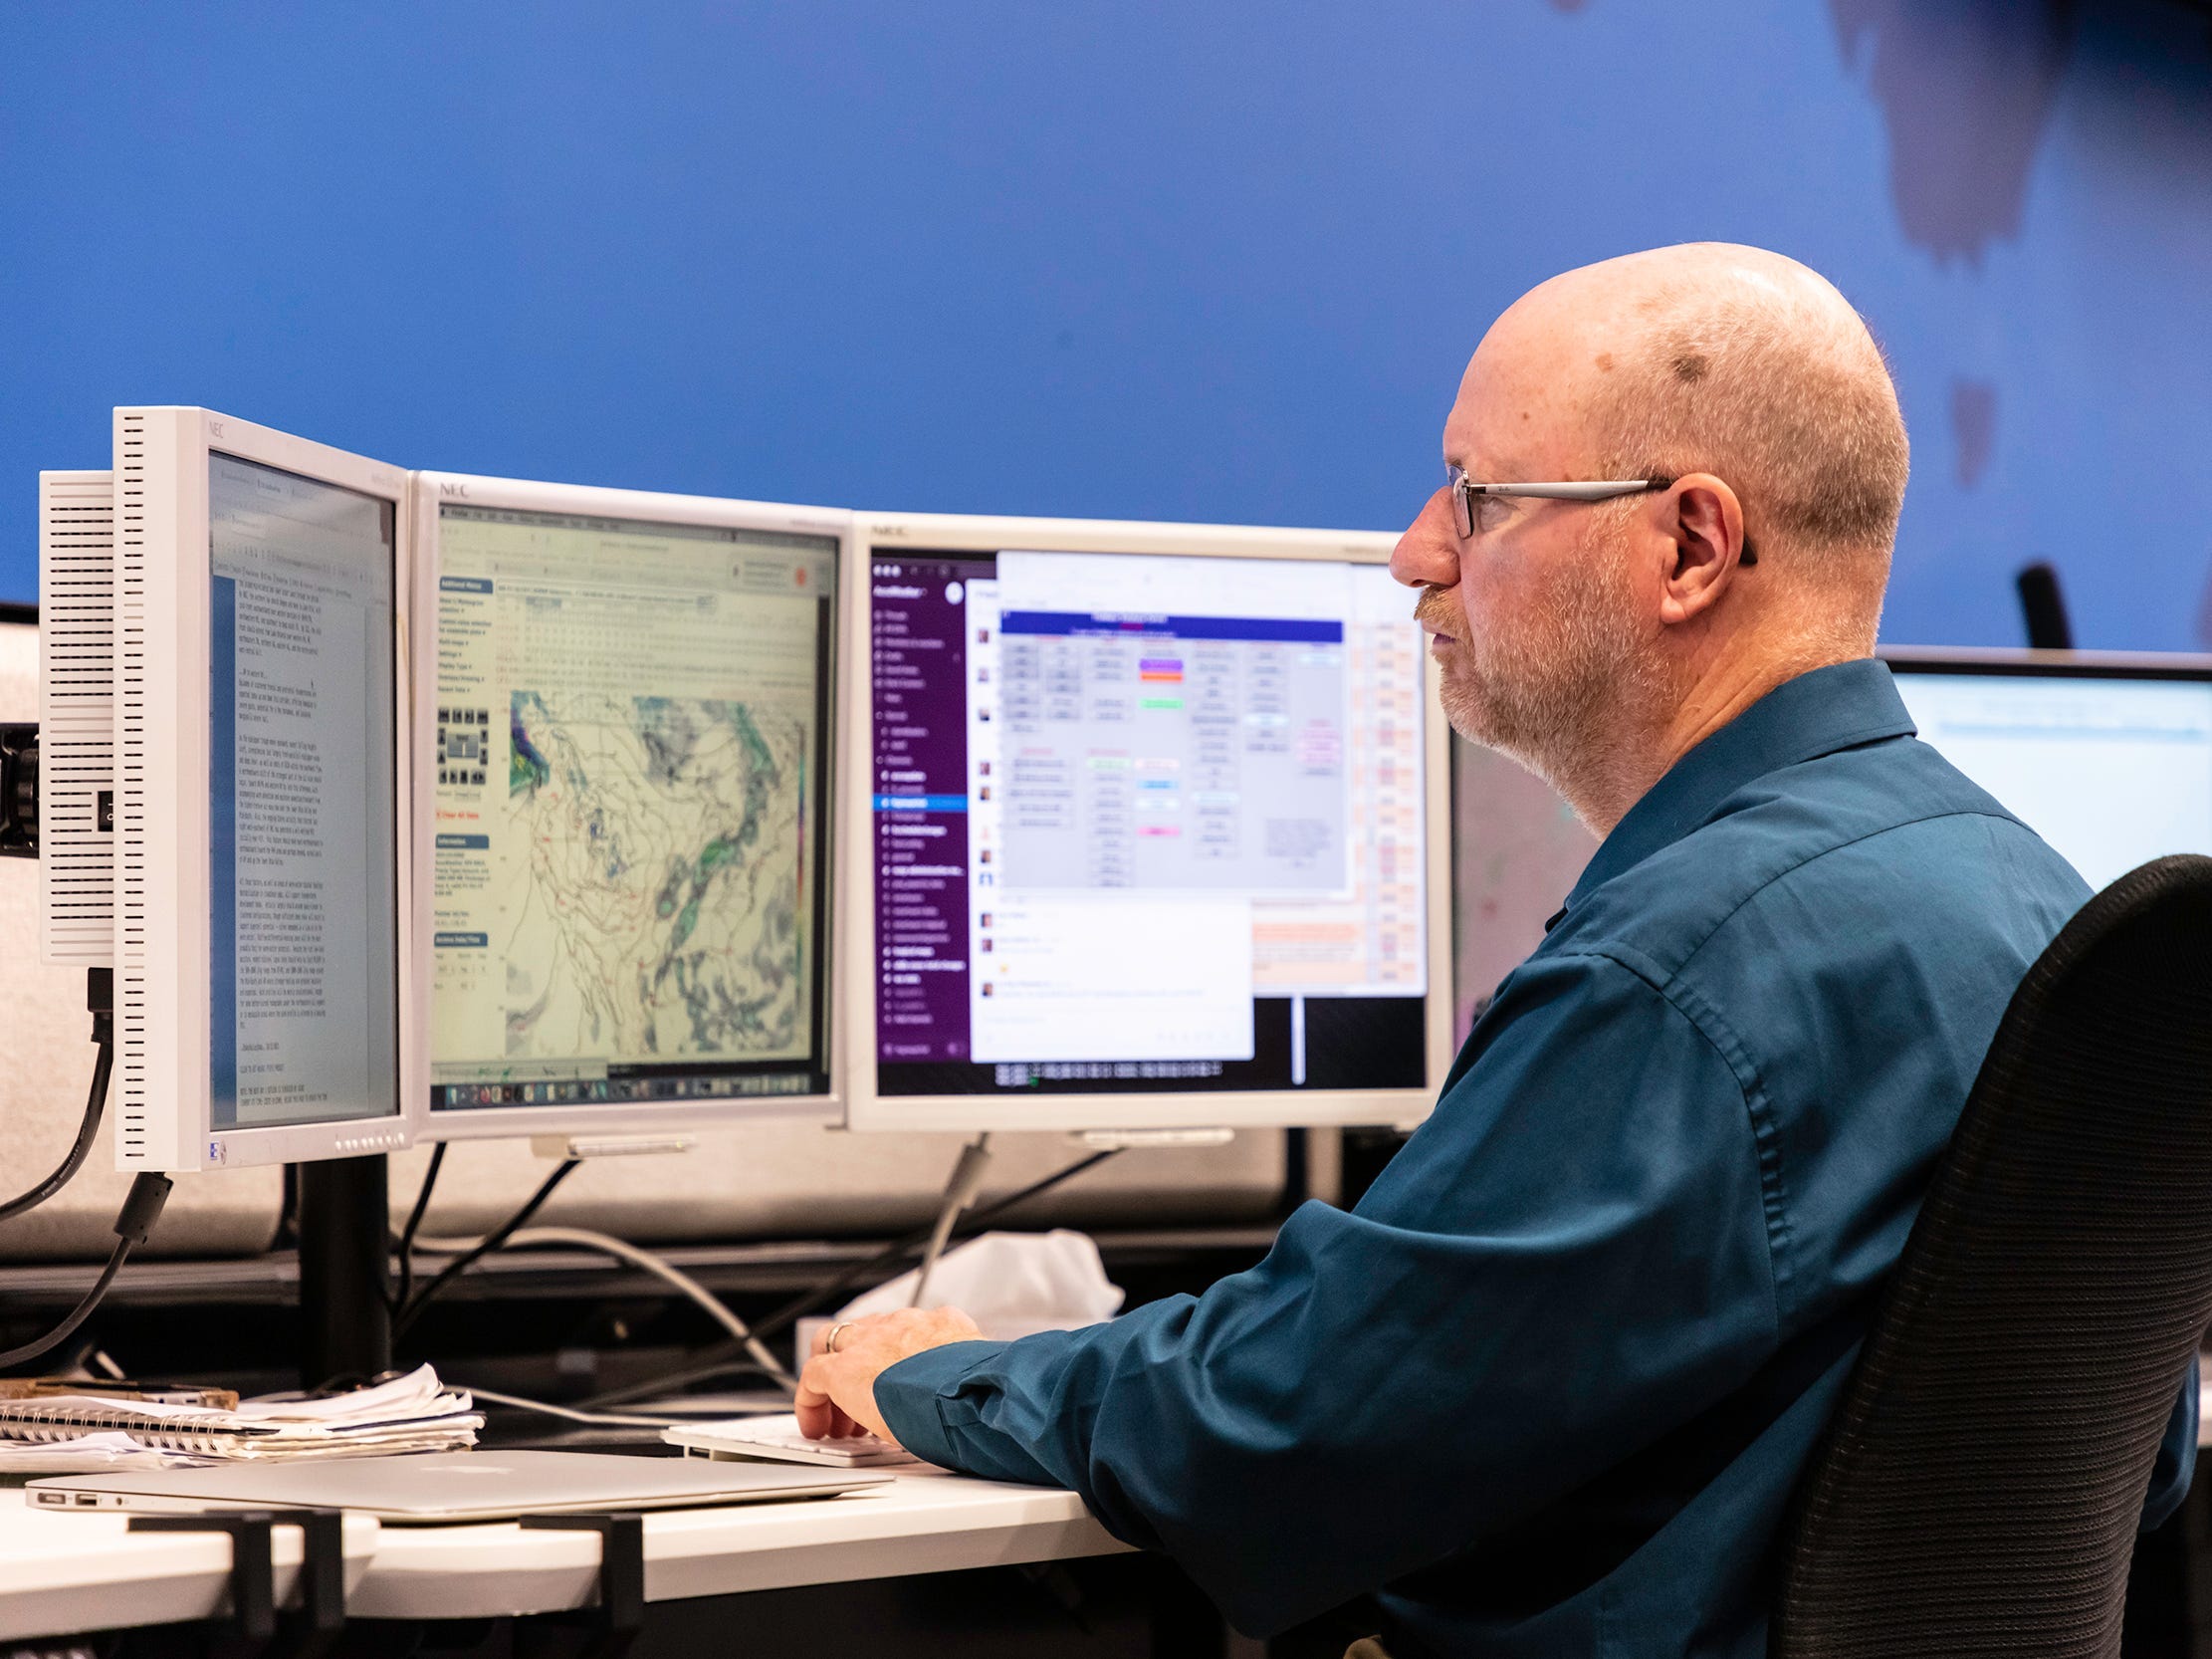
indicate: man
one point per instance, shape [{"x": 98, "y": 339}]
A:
[{"x": 1548, "y": 1389}]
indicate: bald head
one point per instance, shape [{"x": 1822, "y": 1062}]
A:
[
  {"x": 1599, "y": 641},
  {"x": 1714, "y": 357}
]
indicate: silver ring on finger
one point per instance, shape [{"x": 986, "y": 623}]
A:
[{"x": 829, "y": 1343}]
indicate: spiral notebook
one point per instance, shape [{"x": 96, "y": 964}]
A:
[{"x": 413, "y": 1413}]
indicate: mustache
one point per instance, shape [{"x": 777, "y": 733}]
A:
[{"x": 1434, "y": 609}]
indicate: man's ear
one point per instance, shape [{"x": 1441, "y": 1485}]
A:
[{"x": 1703, "y": 519}]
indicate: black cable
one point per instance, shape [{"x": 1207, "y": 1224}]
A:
[
  {"x": 970, "y": 1222},
  {"x": 715, "y": 1361},
  {"x": 398, "y": 1300},
  {"x": 140, "y": 1209},
  {"x": 800, "y": 1306},
  {"x": 452, "y": 1269},
  {"x": 86, "y": 1132},
  {"x": 84, "y": 1310},
  {"x": 98, "y": 997}
]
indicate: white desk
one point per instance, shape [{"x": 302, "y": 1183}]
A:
[
  {"x": 63, "y": 1572},
  {"x": 924, "y": 1522}
]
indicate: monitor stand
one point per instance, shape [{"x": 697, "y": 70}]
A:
[{"x": 345, "y": 1271}]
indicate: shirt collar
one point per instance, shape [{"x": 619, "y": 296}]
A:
[{"x": 1838, "y": 707}]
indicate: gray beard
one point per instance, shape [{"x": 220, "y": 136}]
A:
[{"x": 1562, "y": 699}]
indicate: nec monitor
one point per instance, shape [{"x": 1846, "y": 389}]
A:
[
  {"x": 2108, "y": 758},
  {"x": 627, "y": 745},
  {"x": 1156, "y": 829},
  {"x": 77, "y": 719},
  {"x": 261, "y": 815}
]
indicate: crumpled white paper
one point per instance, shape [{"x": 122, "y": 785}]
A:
[{"x": 1010, "y": 1284}]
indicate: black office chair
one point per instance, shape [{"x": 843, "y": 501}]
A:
[{"x": 1980, "y": 1488}]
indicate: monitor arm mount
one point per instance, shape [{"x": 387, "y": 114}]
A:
[{"x": 19, "y": 790}]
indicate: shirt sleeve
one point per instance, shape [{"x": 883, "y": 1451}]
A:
[
  {"x": 2177, "y": 1456},
  {"x": 1567, "y": 1258}
]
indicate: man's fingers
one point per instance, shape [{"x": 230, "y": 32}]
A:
[
  {"x": 812, "y": 1404},
  {"x": 836, "y": 1392},
  {"x": 815, "y": 1405}
]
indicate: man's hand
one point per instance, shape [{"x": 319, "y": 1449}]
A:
[{"x": 838, "y": 1391}]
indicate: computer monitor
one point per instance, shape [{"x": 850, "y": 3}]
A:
[
  {"x": 1157, "y": 835},
  {"x": 628, "y": 741},
  {"x": 2107, "y": 757},
  {"x": 77, "y": 719},
  {"x": 261, "y": 813}
]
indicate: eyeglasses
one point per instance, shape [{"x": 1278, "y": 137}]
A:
[{"x": 1463, "y": 493}]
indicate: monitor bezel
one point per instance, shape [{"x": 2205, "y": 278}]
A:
[
  {"x": 432, "y": 489},
  {"x": 865, "y": 1110},
  {"x": 2019, "y": 660},
  {"x": 177, "y": 443}
]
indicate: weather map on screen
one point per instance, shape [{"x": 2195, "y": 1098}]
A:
[{"x": 631, "y": 733}]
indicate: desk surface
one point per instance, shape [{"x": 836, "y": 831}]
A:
[
  {"x": 923, "y": 1522},
  {"x": 61, "y": 1574}
]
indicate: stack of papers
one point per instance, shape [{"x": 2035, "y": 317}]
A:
[{"x": 65, "y": 1434}]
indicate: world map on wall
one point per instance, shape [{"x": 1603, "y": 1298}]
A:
[
  {"x": 1967, "y": 89},
  {"x": 1966, "y": 92}
]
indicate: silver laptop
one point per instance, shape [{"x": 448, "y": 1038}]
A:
[{"x": 427, "y": 1488}]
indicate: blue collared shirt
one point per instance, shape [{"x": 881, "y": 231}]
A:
[{"x": 1548, "y": 1389}]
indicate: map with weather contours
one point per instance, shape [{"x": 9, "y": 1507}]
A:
[
  {"x": 659, "y": 908},
  {"x": 630, "y": 786}
]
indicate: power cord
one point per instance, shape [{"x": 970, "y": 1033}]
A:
[
  {"x": 583, "y": 1238},
  {"x": 142, "y": 1206},
  {"x": 717, "y": 1361},
  {"x": 100, "y": 997},
  {"x": 398, "y": 1298},
  {"x": 571, "y": 1414},
  {"x": 899, "y": 1248},
  {"x": 404, "y": 1319},
  {"x": 140, "y": 1209}
]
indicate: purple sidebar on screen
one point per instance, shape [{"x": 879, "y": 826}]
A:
[{"x": 918, "y": 656}]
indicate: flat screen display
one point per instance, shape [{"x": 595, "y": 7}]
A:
[
  {"x": 631, "y": 779},
  {"x": 1145, "y": 824},
  {"x": 2112, "y": 767},
  {"x": 302, "y": 863}
]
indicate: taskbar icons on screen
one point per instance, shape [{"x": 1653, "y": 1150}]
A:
[{"x": 597, "y": 1091}]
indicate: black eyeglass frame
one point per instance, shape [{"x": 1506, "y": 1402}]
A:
[{"x": 1465, "y": 490}]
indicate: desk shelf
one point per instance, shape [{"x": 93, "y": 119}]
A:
[{"x": 776, "y": 1267}]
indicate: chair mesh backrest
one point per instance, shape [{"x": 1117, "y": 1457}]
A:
[{"x": 1981, "y": 1484}]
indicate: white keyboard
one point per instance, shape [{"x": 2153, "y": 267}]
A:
[{"x": 778, "y": 1440}]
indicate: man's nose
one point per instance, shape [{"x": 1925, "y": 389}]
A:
[{"x": 1428, "y": 554}]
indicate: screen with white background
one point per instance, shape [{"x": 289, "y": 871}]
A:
[
  {"x": 303, "y": 843},
  {"x": 2112, "y": 770},
  {"x": 1145, "y": 823}
]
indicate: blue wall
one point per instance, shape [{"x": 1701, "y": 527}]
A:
[{"x": 1218, "y": 262}]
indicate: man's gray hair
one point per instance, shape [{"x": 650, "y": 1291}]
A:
[{"x": 1780, "y": 391}]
